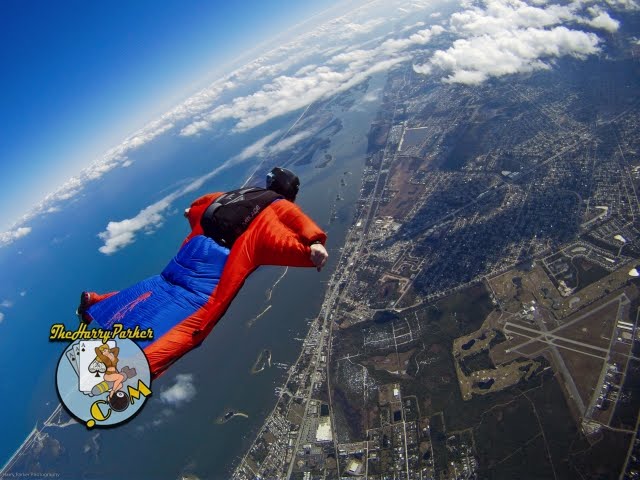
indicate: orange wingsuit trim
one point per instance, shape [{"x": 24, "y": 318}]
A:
[{"x": 280, "y": 235}]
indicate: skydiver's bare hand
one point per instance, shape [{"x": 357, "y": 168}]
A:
[{"x": 319, "y": 255}]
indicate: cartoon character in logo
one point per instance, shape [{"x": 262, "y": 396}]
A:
[
  {"x": 109, "y": 357},
  {"x": 95, "y": 387}
]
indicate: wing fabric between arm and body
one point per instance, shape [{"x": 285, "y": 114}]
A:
[{"x": 280, "y": 235}]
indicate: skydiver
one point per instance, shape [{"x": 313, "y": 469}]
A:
[{"x": 232, "y": 234}]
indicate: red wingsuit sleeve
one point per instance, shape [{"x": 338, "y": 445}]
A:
[
  {"x": 280, "y": 235},
  {"x": 285, "y": 235},
  {"x": 196, "y": 211}
]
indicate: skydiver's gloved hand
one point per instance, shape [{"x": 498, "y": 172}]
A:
[{"x": 319, "y": 255}]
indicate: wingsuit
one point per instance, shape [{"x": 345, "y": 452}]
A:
[{"x": 185, "y": 301}]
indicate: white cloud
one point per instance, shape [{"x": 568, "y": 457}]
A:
[
  {"x": 286, "y": 94},
  {"x": 473, "y": 61},
  {"x": 504, "y": 37},
  {"x": 305, "y": 70},
  {"x": 194, "y": 128},
  {"x": 350, "y": 30},
  {"x": 289, "y": 142},
  {"x": 123, "y": 233},
  {"x": 326, "y": 39},
  {"x": 6, "y": 238},
  {"x": 412, "y": 27},
  {"x": 1, "y": 317},
  {"x": 601, "y": 20},
  {"x": 372, "y": 96},
  {"x": 182, "y": 391},
  {"x": 629, "y": 5},
  {"x": 499, "y": 16},
  {"x": 421, "y": 37},
  {"x": 120, "y": 234},
  {"x": 256, "y": 149},
  {"x": 6, "y": 304},
  {"x": 23, "y": 293}
]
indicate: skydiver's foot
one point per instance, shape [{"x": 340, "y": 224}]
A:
[{"x": 86, "y": 300}]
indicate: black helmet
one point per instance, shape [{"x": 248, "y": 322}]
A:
[{"x": 284, "y": 182}]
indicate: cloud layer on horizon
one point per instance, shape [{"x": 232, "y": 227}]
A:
[
  {"x": 191, "y": 116},
  {"x": 288, "y": 93},
  {"x": 472, "y": 61},
  {"x": 11, "y": 236},
  {"x": 482, "y": 39},
  {"x": 119, "y": 234}
]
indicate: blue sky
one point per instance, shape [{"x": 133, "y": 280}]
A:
[{"x": 79, "y": 76}]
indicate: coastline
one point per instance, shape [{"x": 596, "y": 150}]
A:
[{"x": 37, "y": 434}]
